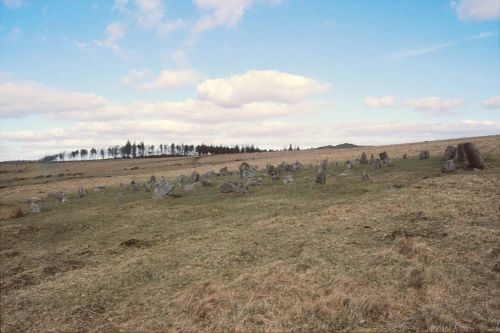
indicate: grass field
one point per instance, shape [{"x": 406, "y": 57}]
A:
[{"x": 412, "y": 250}]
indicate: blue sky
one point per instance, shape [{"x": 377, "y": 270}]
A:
[{"x": 79, "y": 74}]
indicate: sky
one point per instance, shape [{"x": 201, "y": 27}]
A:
[{"x": 95, "y": 73}]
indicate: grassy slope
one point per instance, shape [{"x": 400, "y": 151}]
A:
[{"x": 300, "y": 257}]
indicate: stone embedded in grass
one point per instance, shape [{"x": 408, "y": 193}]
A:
[
  {"x": 162, "y": 189},
  {"x": 255, "y": 182},
  {"x": 449, "y": 153},
  {"x": 183, "y": 179},
  {"x": 206, "y": 183},
  {"x": 82, "y": 192},
  {"x": 247, "y": 171},
  {"x": 365, "y": 177},
  {"x": 236, "y": 185},
  {"x": 224, "y": 171},
  {"x": 195, "y": 176},
  {"x": 59, "y": 195},
  {"x": 363, "y": 159},
  {"x": 424, "y": 155},
  {"x": 189, "y": 188},
  {"x": 473, "y": 156},
  {"x": 288, "y": 179},
  {"x": 34, "y": 198},
  {"x": 376, "y": 164},
  {"x": 448, "y": 166},
  {"x": 209, "y": 174},
  {"x": 321, "y": 176},
  {"x": 35, "y": 208}
]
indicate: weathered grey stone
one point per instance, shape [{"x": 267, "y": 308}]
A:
[
  {"x": 189, "y": 187},
  {"x": 363, "y": 159},
  {"x": 255, "y": 182},
  {"x": 209, "y": 174},
  {"x": 372, "y": 158},
  {"x": 473, "y": 156},
  {"x": 34, "y": 198},
  {"x": 321, "y": 175},
  {"x": 162, "y": 189},
  {"x": 206, "y": 183},
  {"x": 296, "y": 166},
  {"x": 271, "y": 170},
  {"x": 224, "y": 172},
  {"x": 82, "y": 192},
  {"x": 236, "y": 185},
  {"x": 35, "y": 208},
  {"x": 195, "y": 176},
  {"x": 384, "y": 157},
  {"x": 448, "y": 166},
  {"x": 449, "y": 153},
  {"x": 247, "y": 171},
  {"x": 376, "y": 164},
  {"x": 152, "y": 179},
  {"x": 424, "y": 154},
  {"x": 59, "y": 195},
  {"x": 350, "y": 166},
  {"x": 288, "y": 179},
  {"x": 365, "y": 177},
  {"x": 183, "y": 179}
]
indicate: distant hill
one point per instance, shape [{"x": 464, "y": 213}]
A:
[{"x": 340, "y": 146}]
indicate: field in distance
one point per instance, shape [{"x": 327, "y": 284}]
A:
[{"x": 411, "y": 250}]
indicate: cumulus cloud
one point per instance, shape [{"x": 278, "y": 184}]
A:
[
  {"x": 172, "y": 78},
  {"x": 492, "y": 102},
  {"x": 435, "y": 105},
  {"x": 114, "y": 32},
  {"x": 13, "y": 4},
  {"x": 380, "y": 102},
  {"x": 477, "y": 9},
  {"x": 255, "y": 86}
]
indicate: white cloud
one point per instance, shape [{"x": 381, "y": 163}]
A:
[
  {"x": 114, "y": 32},
  {"x": 380, "y": 102},
  {"x": 492, "y": 102},
  {"x": 134, "y": 76},
  {"x": 477, "y": 9},
  {"x": 13, "y": 4},
  {"x": 419, "y": 51},
  {"x": 482, "y": 35},
  {"x": 257, "y": 86},
  {"x": 172, "y": 78},
  {"x": 225, "y": 13},
  {"x": 435, "y": 105}
]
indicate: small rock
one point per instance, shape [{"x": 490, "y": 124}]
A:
[
  {"x": 82, "y": 192},
  {"x": 288, "y": 179},
  {"x": 224, "y": 172},
  {"x": 35, "y": 208},
  {"x": 365, "y": 177},
  {"x": 209, "y": 174},
  {"x": 183, "y": 179},
  {"x": 59, "y": 195},
  {"x": 237, "y": 186},
  {"x": 189, "y": 188},
  {"x": 449, "y": 166}
]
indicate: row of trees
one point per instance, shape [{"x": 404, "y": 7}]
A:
[{"x": 139, "y": 150}]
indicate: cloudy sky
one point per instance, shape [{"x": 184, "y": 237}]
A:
[{"x": 82, "y": 74}]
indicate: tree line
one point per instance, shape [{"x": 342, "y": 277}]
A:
[{"x": 141, "y": 150}]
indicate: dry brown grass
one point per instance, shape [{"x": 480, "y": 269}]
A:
[{"x": 347, "y": 256}]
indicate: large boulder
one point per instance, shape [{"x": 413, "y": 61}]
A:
[
  {"x": 162, "y": 189},
  {"x": 384, "y": 157},
  {"x": 448, "y": 166},
  {"x": 376, "y": 164},
  {"x": 424, "y": 155},
  {"x": 321, "y": 175},
  {"x": 449, "y": 153},
  {"x": 237, "y": 186},
  {"x": 473, "y": 156},
  {"x": 271, "y": 170},
  {"x": 363, "y": 159},
  {"x": 350, "y": 166},
  {"x": 460, "y": 153},
  {"x": 247, "y": 171}
]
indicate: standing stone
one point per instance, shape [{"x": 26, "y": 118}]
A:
[
  {"x": 297, "y": 166},
  {"x": 162, "y": 189},
  {"x": 460, "y": 153},
  {"x": 183, "y": 179},
  {"x": 35, "y": 208},
  {"x": 363, "y": 159},
  {"x": 449, "y": 153},
  {"x": 405, "y": 156},
  {"x": 243, "y": 168},
  {"x": 81, "y": 192},
  {"x": 195, "y": 176},
  {"x": 350, "y": 166},
  {"x": 448, "y": 166},
  {"x": 152, "y": 179},
  {"x": 365, "y": 176},
  {"x": 288, "y": 179},
  {"x": 271, "y": 170},
  {"x": 384, "y": 157},
  {"x": 473, "y": 156},
  {"x": 376, "y": 164},
  {"x": 372, "y": 158},
  {"x": 424, "y": 155},
  {"x": 236, "y": 185},
  {"x": 224, "y": 171},
  {"x": 321, "y": 176}
]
